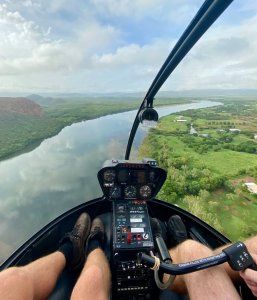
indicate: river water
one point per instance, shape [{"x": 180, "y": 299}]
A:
[{"x": 38, "y": 186}]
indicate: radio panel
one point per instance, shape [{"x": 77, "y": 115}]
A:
[
  {"x": 131, "y": 234},
  {"x": 131, "y": 225}
]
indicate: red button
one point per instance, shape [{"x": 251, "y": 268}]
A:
[
  {"x": 129, "y": 237},
  {"x": 139, "y": 237}
]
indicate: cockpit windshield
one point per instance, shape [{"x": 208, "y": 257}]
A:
[{"x": 71, "y": 78}]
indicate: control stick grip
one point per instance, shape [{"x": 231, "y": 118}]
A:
[
  {"x": 163, "y": 251},
  {"x": 239, "y": 257}
]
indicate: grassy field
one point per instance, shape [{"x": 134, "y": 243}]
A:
[
  {"x": 202, "y": 171},
  {"x": 228, "y": 162}
]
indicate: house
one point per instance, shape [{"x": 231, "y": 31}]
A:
[
  {"x": 252, "y": 187},
  {"x": 181, "y": 119},
  {"x": 204, "y": 135},
  {"x": 234, "y": 130}
]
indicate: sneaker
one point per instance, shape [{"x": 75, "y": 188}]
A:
[
  {"x": 177, "y": 232},
  {"x": 78, "y": 237}
]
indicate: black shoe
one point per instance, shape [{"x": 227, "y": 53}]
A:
[
  {"x": 77, "y": 238},
  {"x": 177, "y": 232},
  {"x": 158, "y": 228}
]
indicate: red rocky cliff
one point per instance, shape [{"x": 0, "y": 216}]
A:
[{"x": 20, "y": 105}]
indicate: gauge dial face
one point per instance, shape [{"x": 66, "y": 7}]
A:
[
  {"x": 109, "y": 175},
  {"x": 130, "y": 191},
  {"x": 115, "y": 192},
  {"x": 145, "y": 191}
]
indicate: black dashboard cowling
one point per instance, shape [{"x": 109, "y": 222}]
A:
[{"x": 125, "y": 179}]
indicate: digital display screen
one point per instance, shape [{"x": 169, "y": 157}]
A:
[
  {"x": 141, "y": 177},
  {"x": 123, "y": 175},
  {"x": 134, "y": 230},
  {"x": 132, "y": 176},
  {"x": 136, "y": 220}
]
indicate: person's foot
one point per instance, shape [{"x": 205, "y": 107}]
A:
[
  {"x": 96, "y": 236},
  {"x": 177, "y": 232},
  {"x": 73, "y": 243}
]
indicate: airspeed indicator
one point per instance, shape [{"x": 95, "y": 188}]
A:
[
  {"x": 115, "y": 192},
  {"x": 109, "y": 175}
]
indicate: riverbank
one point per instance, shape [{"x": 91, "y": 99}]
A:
[
  {"x": 207, "y": 169},
  {"x": 20, "y": 133},
  {"x": 62, "y": 172}
]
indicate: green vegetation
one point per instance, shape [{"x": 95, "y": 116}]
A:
[
  {"x": 207, "y": 168},
  {"x": 20, "y": 132}
]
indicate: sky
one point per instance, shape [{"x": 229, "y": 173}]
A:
[{"x": 103, "y": 46}]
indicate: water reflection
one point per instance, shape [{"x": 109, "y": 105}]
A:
[{"x": 38, "y": 186}]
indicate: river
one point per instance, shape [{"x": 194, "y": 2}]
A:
[{"x": 38, "y": 186}]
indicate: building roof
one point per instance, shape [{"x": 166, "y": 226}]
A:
[
  {"x": 252, "y": 187},
  {"x": 234, "y": 130}
]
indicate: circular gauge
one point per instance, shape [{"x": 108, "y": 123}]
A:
[
  {"x": 130, "y": 191},
  {"x": 109, "y": 175},
  {"x": 145, "y": 191},
  {"x": 115, "y": 192}
]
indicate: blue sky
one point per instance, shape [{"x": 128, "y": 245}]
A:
[{"x": 118, "y": 45}]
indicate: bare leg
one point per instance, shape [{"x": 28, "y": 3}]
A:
[
  {"x": 251, "y": 245},
  {"x": 95, "y": 279},
  {"x": 33, "y": 281},
  {"x": 212, "y": 283}
]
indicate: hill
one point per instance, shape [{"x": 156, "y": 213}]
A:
[{"x": 20, "y": 105}]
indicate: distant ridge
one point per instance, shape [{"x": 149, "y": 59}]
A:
[
  {"x": 45, "y": 99},
  {"x": 20, "y": 105},
  {"x": 180, "y": 93}
]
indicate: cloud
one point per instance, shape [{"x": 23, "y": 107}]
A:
[
  {"x": 225, "y": 58},
  {"x": 141, "y": 9},
  {"x": 126, "y": 8},
  {"x": 88, "y": 46},
  {"x": 27, "y": 48}
]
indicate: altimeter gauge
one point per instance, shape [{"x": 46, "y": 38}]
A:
[{"x": 130, "y": 191}]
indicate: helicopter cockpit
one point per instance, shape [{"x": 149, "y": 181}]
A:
[{"x": 137, "y": 252}]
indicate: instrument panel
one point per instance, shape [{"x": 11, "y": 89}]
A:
[{"x": 130, "y": 180}]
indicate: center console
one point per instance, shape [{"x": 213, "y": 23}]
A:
[
  {"x": 131, "y": 234},
  {"x": 129, "y": 185}
]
